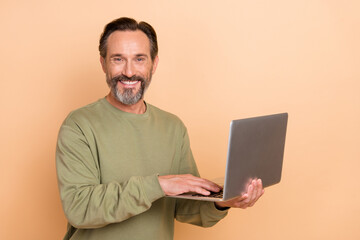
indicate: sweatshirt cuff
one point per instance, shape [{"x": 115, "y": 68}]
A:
[
  {"x": 152, "y": 188},
  {"x": 215, "y": 211}
]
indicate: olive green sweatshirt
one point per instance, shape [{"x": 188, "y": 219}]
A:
[{"x": 108, "y": 162}]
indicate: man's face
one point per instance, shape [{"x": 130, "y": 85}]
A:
[{"x": 128, "y": 65}]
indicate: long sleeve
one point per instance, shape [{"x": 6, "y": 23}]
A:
[
  {"x": 87, "y": 202},
  {"x": 108, "y": 162},
  {"x": 200, "y": 213}
]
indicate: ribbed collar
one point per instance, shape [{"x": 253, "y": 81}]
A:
[{"x": 121, "y": 113}]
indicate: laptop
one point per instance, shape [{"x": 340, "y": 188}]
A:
[{"x": 255, "y": 150}]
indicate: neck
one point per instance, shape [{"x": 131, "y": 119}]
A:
[{"x": 137, "y": 108}]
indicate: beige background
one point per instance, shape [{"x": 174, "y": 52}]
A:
[{"x": 219, "y": 60}]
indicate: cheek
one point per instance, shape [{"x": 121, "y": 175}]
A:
[
  {"x": 147, "y": 71},
  {"x": 112, "y": 74},
  {"x": 112, "y": 70}
]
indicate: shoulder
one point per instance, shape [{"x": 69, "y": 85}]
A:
[
  {"x": 88, "y": 111},
  {"x": 85, "y": 114},
  {"x": 165, "y": 116}
]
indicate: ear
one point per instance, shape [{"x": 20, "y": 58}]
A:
[
  {"x": 155, "y": 63},
  {"x": 102, "y": 61}
]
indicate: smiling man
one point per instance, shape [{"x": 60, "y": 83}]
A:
[
  {"x": 128, "y": 66},
  {"x": 118, "y": 157}
]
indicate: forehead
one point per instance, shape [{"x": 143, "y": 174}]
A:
[{"x": 128, "y": 43}]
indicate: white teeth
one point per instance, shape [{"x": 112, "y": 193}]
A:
[{"x": 129, "y": 82}]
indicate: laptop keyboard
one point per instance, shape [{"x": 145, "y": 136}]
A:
[{"x": 212, "y": 194}]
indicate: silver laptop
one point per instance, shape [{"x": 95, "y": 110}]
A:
[{"x": 255, "y": 150}]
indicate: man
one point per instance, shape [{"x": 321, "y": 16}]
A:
[{"x": 119, "y": 157}]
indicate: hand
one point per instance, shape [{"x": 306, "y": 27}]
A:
[
  {"x": 177, "y": 184},
  {"x": 254, "y": 192}
]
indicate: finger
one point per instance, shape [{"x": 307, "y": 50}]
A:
[
  {"x": 200, "y": 190},
  {"x": 260, "y": 189},
  {"x": 251, "y": 191},
  {"x": 260, "y": 186},
  {"x": 255, "y": 191},
  {"x": 206, "y": 184},
  {"x": 243, "y": 201},
  {"x": 242, "y": 197},
  {"x": 253, "y": 199},
  {"x": 239, "y": 202},
  {"x": 199, "y": 185},
  {"x": 259, "y": 192}
]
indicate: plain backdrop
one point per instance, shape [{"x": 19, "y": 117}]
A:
[{"x": 219, "y": 60}]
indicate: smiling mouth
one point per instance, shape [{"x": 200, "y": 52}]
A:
[{"x": 129, "y": 82}]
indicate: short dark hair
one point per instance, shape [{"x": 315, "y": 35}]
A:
[{"x": 129, "y": 24}]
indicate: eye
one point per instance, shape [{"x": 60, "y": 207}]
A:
[
  {"x": 140, "y": 59},
  {"x": 117, "y": 59}
]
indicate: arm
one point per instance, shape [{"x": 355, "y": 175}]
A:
[
  {"x": 199, "y": 213},
  {"x": 86, "y": 201},
  {"x": 178, "y": 184},
  {"x": 173, "y": 185}
]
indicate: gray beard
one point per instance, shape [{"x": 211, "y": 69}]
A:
[{"x": 127, "y": 97}]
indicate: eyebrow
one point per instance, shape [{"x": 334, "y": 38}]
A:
[{"x": 136, "y": 55}]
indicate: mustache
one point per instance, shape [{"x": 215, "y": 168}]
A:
[{"x": 126, "y": 78}]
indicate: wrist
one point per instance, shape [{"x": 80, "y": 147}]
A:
[{"x": 218, "y": 206}]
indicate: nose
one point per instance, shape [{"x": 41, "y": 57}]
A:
[{"x": 128, "y": 70}]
